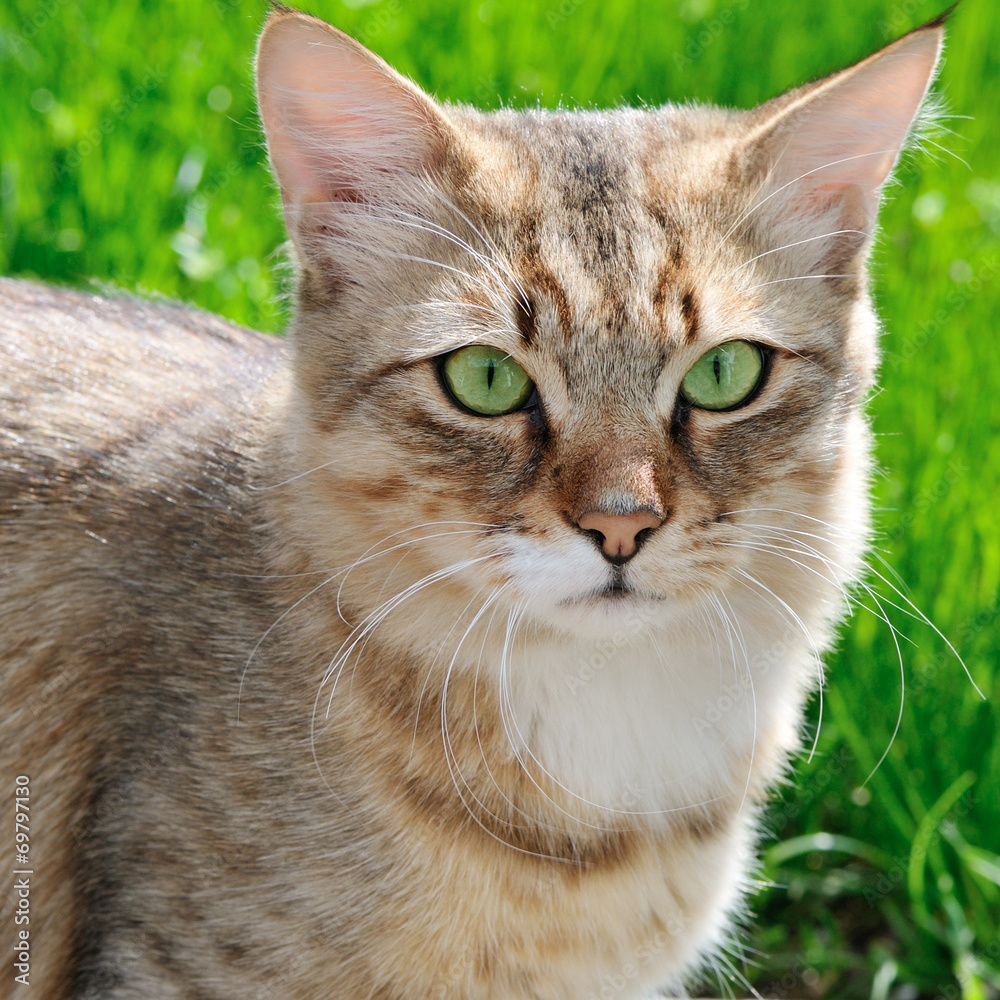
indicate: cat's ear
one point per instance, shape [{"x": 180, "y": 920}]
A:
[
  {"x": 341, "y": 124},
  {"x": 821, "y": 153}
]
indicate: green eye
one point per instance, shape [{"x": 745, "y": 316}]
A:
[
  {"x": 486, "y": 380},
  {"x": 724, "y": 377}
]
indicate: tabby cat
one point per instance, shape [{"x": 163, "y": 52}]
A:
[{"x": 449, "y": 647}]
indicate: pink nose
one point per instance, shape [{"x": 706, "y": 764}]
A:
[{"x": 619, "y": 531}]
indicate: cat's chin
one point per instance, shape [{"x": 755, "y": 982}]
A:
[
  {"x": 611, "y": 611},
  {"x": 612, "y": 598}
]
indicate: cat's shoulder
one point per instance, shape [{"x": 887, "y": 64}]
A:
[
  {"x": 86, "y": 379},
  {"x": 51, "y": 337}
]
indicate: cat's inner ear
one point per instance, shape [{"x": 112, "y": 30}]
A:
[
  {"x": 823, "y": 152},
  {"x": 341, "y": 124}
]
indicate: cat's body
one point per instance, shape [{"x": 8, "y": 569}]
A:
[
  {"x": 326, "y": 682},
  {"x": 122, "y": 738}
]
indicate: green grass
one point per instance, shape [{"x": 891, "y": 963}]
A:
[{"x": 130, "y": 154}]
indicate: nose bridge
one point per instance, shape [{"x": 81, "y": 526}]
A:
[
  {"x": 616, "y": 498},
  {"x": 616, "y": 474}
]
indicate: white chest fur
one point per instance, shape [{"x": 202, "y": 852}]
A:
[{"x": 652, "y": 722}]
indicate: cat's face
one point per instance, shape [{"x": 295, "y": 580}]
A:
[{"x": 682, "y": 337}]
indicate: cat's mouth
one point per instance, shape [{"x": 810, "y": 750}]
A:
[
  {"x": 616, "y": 589},
  {"x": 619, "y": 589},
  {"x": 615, "y": 595}
]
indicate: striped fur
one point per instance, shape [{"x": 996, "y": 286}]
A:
[{"x": 321, "y": 687}]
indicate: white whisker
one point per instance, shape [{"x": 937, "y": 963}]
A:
[
  {"x": 291, "y": 479},
  {"x": 270, "y": 628},
  {"x": 476, "y": 528},
  {"x": 798, "y": 243},
  {"x": 430, "y": 261},
  {"x": 376, "y": 617},
  {"x": 453, "y": 767},
  {"x": 912, "y": 610},
  {"x": 795, "y": 180},
  {"x": 447, "y": 307},
  {"x": 430, "y": 668},
  {"x": 767, "y": 545},
  {"x": 801, "y": 277},
  {"x": 491, "y": 263},
  {"x": 486, "y": 240},
  {"x": 517, "y": 741},
  {"x": 750, "y": 685}
]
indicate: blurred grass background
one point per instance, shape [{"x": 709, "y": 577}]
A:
[{"x": 131, "y": 154}]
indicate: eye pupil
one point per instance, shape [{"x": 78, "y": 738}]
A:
[
  {"x": 724, "y": 378},
  {"x": 486, "y": 380}
]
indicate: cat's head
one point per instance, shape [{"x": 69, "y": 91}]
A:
[{"x": 582, "y": 364}]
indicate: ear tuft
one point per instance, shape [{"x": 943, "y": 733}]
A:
[{"x": 825, "y": 150}]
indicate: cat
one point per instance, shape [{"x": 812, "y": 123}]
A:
[{"x": 450, "y": 646}]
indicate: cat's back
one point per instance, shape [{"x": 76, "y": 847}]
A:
[
  {"x": 83, "y": 371},
  {"x": 122, "y": 423},
  {"x": 131, "y": 435}
]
